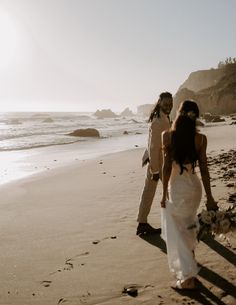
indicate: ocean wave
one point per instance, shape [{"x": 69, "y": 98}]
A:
[
  {"x": 29, "y": 143},
  {"x": 46, "y": 129}
]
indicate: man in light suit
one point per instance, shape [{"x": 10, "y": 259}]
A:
[{"x": 159, "y": 121}]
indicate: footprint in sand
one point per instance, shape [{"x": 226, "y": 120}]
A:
[
  {"x": 62, "y": 300},
  {"x": 97, "y": 241},
  {"x": 69, "y": 264},
  {"x": 46, "y": 283}
]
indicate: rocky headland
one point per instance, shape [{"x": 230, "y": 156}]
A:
[{"x": 214, "y": 90}]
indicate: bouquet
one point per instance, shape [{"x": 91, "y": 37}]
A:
[{"x": 215, "y": 222}]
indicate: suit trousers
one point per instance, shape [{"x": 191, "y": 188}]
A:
[{"x": 148, "y": 194}]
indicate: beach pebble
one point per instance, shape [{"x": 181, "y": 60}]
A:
[
  {"x": 231, "y": 172},
  {"x": 218, "y": 292},
  {"x": 132, "y": 291},
  {"x": 232, "y": 197},
  {"x": 230, "y": 300}
]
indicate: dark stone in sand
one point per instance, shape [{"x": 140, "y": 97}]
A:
[
  {"x": 88, "y": 132},
  {"x": 215, "y": 120},
  {"x": 132, "y": 291}
]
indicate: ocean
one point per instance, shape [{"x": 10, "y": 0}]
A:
[
  {"x": 32, "y": 142},
  {"x": 30, "y": 130}
]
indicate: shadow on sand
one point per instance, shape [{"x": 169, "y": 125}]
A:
[{"x": 203, "y": 295}]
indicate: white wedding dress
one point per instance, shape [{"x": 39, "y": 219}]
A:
[{"x": 185, "y": 193}]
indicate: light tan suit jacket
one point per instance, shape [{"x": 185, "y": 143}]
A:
[{"x": 154, "y": 150}]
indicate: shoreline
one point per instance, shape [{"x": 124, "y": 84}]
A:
[
  {"x": 20, "y": 164},
  {"x": 16, "y": 165}
]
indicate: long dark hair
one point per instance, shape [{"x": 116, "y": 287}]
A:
[
  {"x": 156, "y": 110},
  {"x": 183, "y": 135}
]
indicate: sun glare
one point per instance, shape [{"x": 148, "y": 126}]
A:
[{"x": 10, "y": 39}]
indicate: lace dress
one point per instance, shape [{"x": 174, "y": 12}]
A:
[{"x": 185, "y": 193}]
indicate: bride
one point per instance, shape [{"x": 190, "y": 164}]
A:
[{"x": 183, "y": 146}]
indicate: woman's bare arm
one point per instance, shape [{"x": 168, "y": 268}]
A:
[
  {"x": 202, "y": 158},
  {"x": 166, "y": 168}
]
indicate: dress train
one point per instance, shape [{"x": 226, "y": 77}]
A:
[{"x": 185, "y": 193}]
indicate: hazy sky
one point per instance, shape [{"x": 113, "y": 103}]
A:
[{"x": 83, "y": 55}]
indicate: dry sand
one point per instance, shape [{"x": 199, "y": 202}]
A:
[{"x": 68, "y": 235}]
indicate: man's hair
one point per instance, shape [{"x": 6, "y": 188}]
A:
[{"x": 156, "y": 110}]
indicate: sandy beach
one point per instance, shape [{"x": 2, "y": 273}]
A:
[{"x": 68, "y": 235}]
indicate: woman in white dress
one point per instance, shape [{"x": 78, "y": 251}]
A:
[{"x": 183, "y": 147}]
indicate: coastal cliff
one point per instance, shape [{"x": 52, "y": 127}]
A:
[{"x": 214, "y": 90}]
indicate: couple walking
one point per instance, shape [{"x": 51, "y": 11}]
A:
[{"x": 172, "y": 155}]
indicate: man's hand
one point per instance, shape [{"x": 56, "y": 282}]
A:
[
  {"x": 145, "y": 162},
  {"x": 145, "y": 158}
]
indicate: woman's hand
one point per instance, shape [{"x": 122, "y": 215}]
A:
[
  {"x": 163, "y": 202},
  {"x": 211, "y": 204}
]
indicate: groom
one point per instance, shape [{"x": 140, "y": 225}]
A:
[{"x": 159, "y": 121}]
